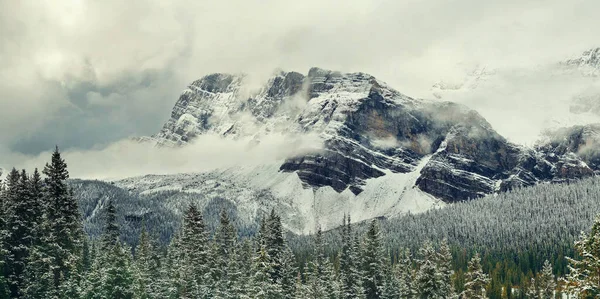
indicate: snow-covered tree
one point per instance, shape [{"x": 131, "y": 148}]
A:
[
  {"x": 262, "y": 285},
  {"x": 405, "y": 274},
  {"x": 427, "y": 281},
  {"x": 546, "y": 281},
  {"x": 374, "y": 262},
  {"x": 584, "y": 277},
  {"x": 350, "y": 276},
  {"x": 146, "y": 268},
  {"x": 476, "y": 280},
  {"x": 111, "y": 233},
  {"x": 55, "y": 265}
]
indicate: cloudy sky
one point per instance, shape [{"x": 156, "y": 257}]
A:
[{"x": 84, "y": 74}]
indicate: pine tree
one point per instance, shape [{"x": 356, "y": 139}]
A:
[
  {"x": 244, "y": 258},
  {"x": 321, "y": 280},
  {"x": 226, "y": 270},
  {"x": 349, "y": 270},
  {"x": 444, "y": 260},
  {"x": 274, "y": 244},
  {"x": 36, "y": 206},
  {"x": 359, "y": 290},
  {"x": 373, "y": 258},
  {"x": 118, "y": 279},
  {"x": 476, "y": 280},
  {"x": 194, "y": 256},
  {"x": 546, "y": 281},
  {"x": 111, "y": 233},
  {"x": 111, "y": 275},
  {"x": 58, "y": 257},
  {"x": 405, "y": 275},
  {"x": 391, "y": 286},
  {"x": 532, "y": 291},
  {"x": 288, "y": 273},
  {"x": 262, "y": 285},
  {"x": 427, "y": 281},
  {"x": 4, "y": 292},
  {"x": 15, "y": 232},
  {"x": 145, "y": 268},
  {"x": 584, "y": 277}
]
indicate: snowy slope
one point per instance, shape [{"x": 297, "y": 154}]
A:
[
  {"x": 256, "y": 190},
  {"x": 383, "y": 153}
]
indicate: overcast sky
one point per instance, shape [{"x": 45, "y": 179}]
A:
[{"x": 84, "y": 74}]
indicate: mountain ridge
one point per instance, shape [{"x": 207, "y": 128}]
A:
[{"x": 354, "y": 114}]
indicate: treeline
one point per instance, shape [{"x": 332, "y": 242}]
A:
[{"x": 44, "y": 253}]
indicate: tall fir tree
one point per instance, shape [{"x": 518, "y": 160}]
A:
[
  {"x": 146, "y": 268},
  {"x": 60, "y": 252},
  {"x": 374, "y": 262},
  {"x": 427, "y": 281},
  {"x": 195, "y": 256},
  {"x": 321, "y": 279},
  {"x": 227, "y": 271},
  {"x": 444, "y": 260},
  {"x": 4, "y": 291},
  {"x": 476, "y": 280},
  {"x": 349, "y": 263},
  {"x": 16, "y": 251},
  {"x": 405, "y": 275},
  {"x": 262, "y": 284},
  {"x": 546, "y": 281},
  {"x": 118, "y": 280},
  {"x": 583, "y": 279},
  {"x": 111, "y": 233},
  {"x": 288, "y": 273},
  {"x": 274, "y": 244}
]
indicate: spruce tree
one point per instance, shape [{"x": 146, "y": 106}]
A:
[
  {"x": 391, "y": 285},
  {"x": 118, "y": 278},
  {"x": 405, "y": 275},
  {"x": 244, "y": 258},
  {"x": 349, "y": 264},
  {"x": 16, "y": 251},
  {"x": 194, "y": 256},
  {"x": 111, "y": 233},
  {"x": 546, "y": 281},
  {"x": 476, "y": 280},
  {"x": 226, "y": 269},
  {"x": 444, "y": 260},
  {"x": 321, "y": 279},
  {"x": 373, "y": 262},
  {"x": 288, "y": 273},
  {"x": 583, "y": 279},
  {"x": 62, "y": 242},
  {"x": 274, "y": 244},
  {"x": 4, "y": 292},
  {"x": 427, "y": 281},
  {"x": 262, "y": 285},
  {"x": 145, "y": 268}
]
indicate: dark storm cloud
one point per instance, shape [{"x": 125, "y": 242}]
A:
[{"x": 83, "y": 74}]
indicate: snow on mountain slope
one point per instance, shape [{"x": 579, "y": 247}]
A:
[
  {"x": 256, "y": 190},
  {"x": 383, "y": 153}
]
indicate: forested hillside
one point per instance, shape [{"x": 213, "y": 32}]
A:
[
  {"x": 515, "y": 232},
  {"x": 508, "y": 246}
]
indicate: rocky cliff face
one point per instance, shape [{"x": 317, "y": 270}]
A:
[{"x": 370, "y": 130}]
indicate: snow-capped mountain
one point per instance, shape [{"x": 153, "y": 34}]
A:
[
  {"x": 588, "y": 63},
  {"x": 383, "y": 154}
]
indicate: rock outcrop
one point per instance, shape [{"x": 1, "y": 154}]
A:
[{"x": 369, "y": 129}]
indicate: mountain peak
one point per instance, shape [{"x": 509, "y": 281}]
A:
[{"x": 588, "y": 62}]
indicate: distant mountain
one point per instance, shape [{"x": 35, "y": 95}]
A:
[
  {"x": 588, "y": 62},
  {"x": 384, "y": 153}
]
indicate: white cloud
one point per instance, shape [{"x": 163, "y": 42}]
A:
[
  {"x": 129, "y": 158},
  {"x": 63, "y": 63}
]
